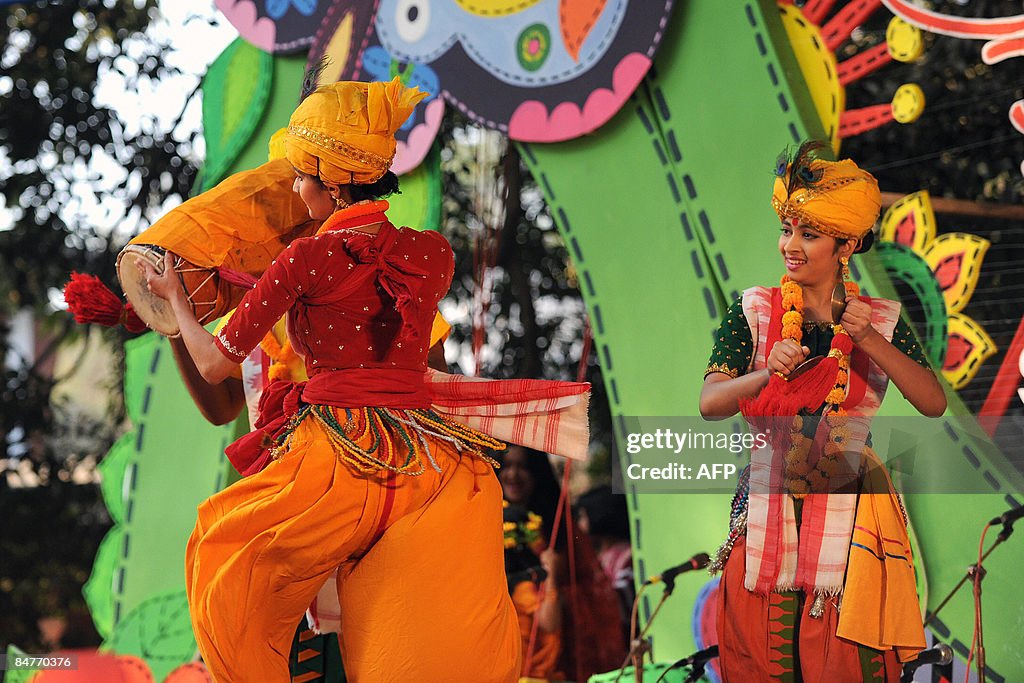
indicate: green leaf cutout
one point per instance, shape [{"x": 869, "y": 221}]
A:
[
  {"x": 158, "y": 631},
  {"x": 235, "y": 93}
]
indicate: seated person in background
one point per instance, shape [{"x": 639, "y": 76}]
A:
[
  {"x": 534, "y": 594},
  {"x": 592, "y": 641}
]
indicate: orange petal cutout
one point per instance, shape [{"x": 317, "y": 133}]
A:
[
  {"x": 193, "y": 672},
  {"x": 577, "y": 18},
  {"x": 338, "y": 51}
]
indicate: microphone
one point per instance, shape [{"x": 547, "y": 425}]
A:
[
  {"x": 697, "y": 658},
  {"x": 668, "y": 577},
  {"x": 1008, "y": 517},
  {"x": 696, "y": 662},
  {"x": 940, "y": 655}
]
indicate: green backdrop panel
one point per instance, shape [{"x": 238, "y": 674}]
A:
[
  {"x": 653, "y": 255},
  {"x": 170, "y": 462},
  {"x": 419, "y": 204},
  {"x": 285, "y": 87}
]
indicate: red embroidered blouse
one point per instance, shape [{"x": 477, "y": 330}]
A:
[{"x": 356, "y": 302}]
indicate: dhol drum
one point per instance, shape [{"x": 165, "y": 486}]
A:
[
  {"x": 210, "y": 295},
  {"x": 222, "y": 241}
]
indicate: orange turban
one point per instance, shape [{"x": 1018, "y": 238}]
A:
[
  {"x": 837, "y": 198},
  {"x": 345, "y": 132}
]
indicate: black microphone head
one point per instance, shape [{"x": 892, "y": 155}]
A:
[
  {"x": 701, "y": 560},
  {"x": 941, "y": 655}
]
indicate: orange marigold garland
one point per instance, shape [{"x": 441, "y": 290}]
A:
[
  {"x": 800, "y": 477},
  {"x": 281, "y": 357}
]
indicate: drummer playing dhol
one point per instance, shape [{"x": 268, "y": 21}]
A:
[{"x": 358, "y": 456}]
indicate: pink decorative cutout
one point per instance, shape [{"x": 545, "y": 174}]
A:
[
  {"x": 995, "y": 51},
  {"x": 531, "y": 122},
  {"x": 410, "y": 154},
  {"x": 243, "y": 16},
  {"x": 1017, "y": 115}
]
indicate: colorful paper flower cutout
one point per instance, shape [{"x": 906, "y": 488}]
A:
[{"x": 954, "y": 260}]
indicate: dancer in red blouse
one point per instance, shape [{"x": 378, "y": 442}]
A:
[{"x": 368, "y": 468}]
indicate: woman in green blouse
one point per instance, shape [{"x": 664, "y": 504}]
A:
[{"x": 798, "y": 547}]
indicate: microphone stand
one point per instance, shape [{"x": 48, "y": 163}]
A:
[
  {"x": 976, "y": 574},
  {"x": 696, "y": 667},
  {"x": 639, "y": 647},
  {"x": 1006, "y": 532},
  {"x": 696, "y": 671}
]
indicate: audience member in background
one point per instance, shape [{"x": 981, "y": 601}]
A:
[
  {"x": 534, "y": 594},
  {"x": 591, "y": 639},
  {"x": 603, "y": 515}
]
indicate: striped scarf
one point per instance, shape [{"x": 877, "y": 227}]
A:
[
  {"x": 547, "y": 415},
  {"x": 815, "y": 559}
]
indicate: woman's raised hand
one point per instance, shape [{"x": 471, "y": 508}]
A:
[
  {"x": 856, "y": 319},
  {"x": 786, "y": 355},
  {"x": 165, "y": 285}
]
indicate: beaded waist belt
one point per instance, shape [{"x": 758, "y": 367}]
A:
[{"x": 389, "y": 439}]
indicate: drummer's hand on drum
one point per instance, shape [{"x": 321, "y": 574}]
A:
[
  {"x": 786, "y": 355},
  {"x": 165, "y": 285}
]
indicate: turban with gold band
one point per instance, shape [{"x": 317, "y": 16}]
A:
[
  {"x": 344, "y": 132},
  {"x": 837, "y": 198}
]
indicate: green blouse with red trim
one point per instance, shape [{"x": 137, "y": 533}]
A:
[{"x": 734, "y": 345}]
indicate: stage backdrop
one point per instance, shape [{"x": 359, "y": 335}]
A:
[{"x": 665, "y": 211}]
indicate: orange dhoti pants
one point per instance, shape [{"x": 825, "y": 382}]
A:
[
  {"x": 773, "y": 638},
  {"x": 420, "y": 564}
]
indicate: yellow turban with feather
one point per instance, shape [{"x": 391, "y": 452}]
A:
[
  {"x": 344, "y": 132},
  {"x": 837, "y": 198}
]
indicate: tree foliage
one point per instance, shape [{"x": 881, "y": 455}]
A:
[
  {"x": 54, "y": 135},
  {"x": 78, "y": 177}
]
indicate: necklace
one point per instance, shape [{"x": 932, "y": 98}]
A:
[{"x": 355, "y": 216}]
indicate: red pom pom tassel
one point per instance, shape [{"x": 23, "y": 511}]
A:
[
  {"x": 91, "y": 302},
  {"x": 131, "y": 320},
  {"x": 782, "y": 398}
]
